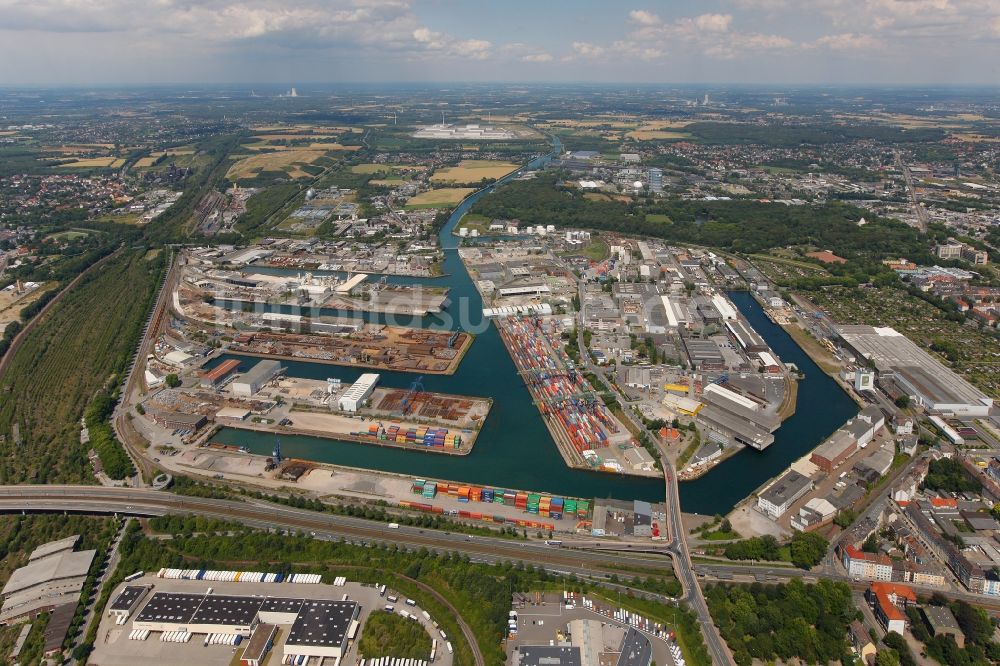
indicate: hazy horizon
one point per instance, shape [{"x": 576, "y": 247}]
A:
[{"x": 849, "y": 43}]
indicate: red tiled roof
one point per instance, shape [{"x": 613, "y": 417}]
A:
[
  {"x": 856, "y": 554},
  {"x": 944, "y": 502},
  {"x": 882, "y": 593}
]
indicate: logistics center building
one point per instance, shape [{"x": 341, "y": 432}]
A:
[
  {"x": 914, "y": 372},
  {"x": 319, "y": 627}
]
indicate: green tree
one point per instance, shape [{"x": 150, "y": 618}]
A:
[
  {"x": 172, "y": 380},
  {"x": 887, "y": 657},
  {"x": 807, "y": 549}
]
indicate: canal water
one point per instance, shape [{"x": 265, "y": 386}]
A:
[{"x": 514, "y": 448}]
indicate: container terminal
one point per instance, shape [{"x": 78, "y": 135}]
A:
[{"x": 588, "y": 435}]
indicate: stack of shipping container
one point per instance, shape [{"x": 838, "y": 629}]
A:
[
  {"x": 438, "y": 438},
  {"x": 543, "y": 506}
]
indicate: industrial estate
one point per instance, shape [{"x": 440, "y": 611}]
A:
[{"x": 586, "y": 380}]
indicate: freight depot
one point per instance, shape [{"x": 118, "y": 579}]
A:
[
  {"x": 412, "y": 419},
  {"x": 498, "y": 502},
  {"x": 182, "y": 617},
  {"x": 587, "y": 434}
]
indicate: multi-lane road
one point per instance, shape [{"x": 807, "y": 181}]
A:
[{"x": 266, "y": 515}]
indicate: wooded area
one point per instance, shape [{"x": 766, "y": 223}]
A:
[
  {"x": 390, "y": 635},
  {"x": 768, "y": 622}
]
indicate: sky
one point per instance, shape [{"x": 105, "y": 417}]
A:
[{"x": 890, "y": 42}]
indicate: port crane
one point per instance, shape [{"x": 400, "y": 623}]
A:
[{"x": 416, "y": 387}]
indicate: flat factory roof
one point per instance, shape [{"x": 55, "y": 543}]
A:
[
  {"x": 170, "y": 607},
  {"x": 226, "y": 609},
  {"x": 838, "y": 442},
  {"x": 128, "y": 596},
  {"x": 890, "y": 350},
  {"x": 46, "y": 549},
  {"x": 549, "y": 655},
  {"x": 785, "y": 488},
  {"x": 281, "y": 605},
  {"x": 322, "y": 623}
]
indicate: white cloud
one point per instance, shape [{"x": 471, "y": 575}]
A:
[
  {"x": 644, "y": 17},
  {"x": 588, "y": 50},
  {"x": 537, "y": 57},
  {"x": 847, "y": 41},
  {"x": 713, "y": 22}
]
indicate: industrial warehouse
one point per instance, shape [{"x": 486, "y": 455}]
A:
[
  {"x": 906, "y": 369},
  {"x": 195, "y": 616}
]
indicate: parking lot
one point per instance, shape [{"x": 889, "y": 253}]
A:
[{"x": 542, "y": 619}]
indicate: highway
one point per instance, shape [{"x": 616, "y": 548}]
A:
[{"x": 265, "y": 515}]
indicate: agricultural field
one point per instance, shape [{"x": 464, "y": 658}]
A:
[
  {"x": 83, "y": 342},
  {"x": 656, "y": 135},
  {"x": 969, "y": 351},
  {"x": 289, "y": 161},
  {"x": 473, "y": 171},
  {"x": 94, "y": 163},
  {"x": 150, "y": 160},
  {"x": 386, "y": 168},
  {"x": 315, "y": 145},
  {"x": 443, "y": 197}
]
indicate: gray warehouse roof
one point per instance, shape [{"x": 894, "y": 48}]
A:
[
  {"x": 636, "y": 650},
  {"x": 322, "y": 623},
  {"x": 549, "y": 655},
  {"x": 65, "y": 564},
  {"x": 261, "y": 372},
  {"x": 785, "y": 488},
  {"x": 889, "y": 350}
]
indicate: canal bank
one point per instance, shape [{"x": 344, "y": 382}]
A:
[
  {"x": 822, "y": 407},
  {"x": 515, "y": 448}
]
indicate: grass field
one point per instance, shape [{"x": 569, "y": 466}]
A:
[
  {"x": 447, "y": 196},
  {"x": 95, "y": 162},
  {"x": 280, "y": 147},
  {"x": 473, "y": 171},
  {"x": 288, "y": 161}
]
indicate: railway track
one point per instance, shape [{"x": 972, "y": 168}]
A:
[{"x": 270, "y": 516}]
